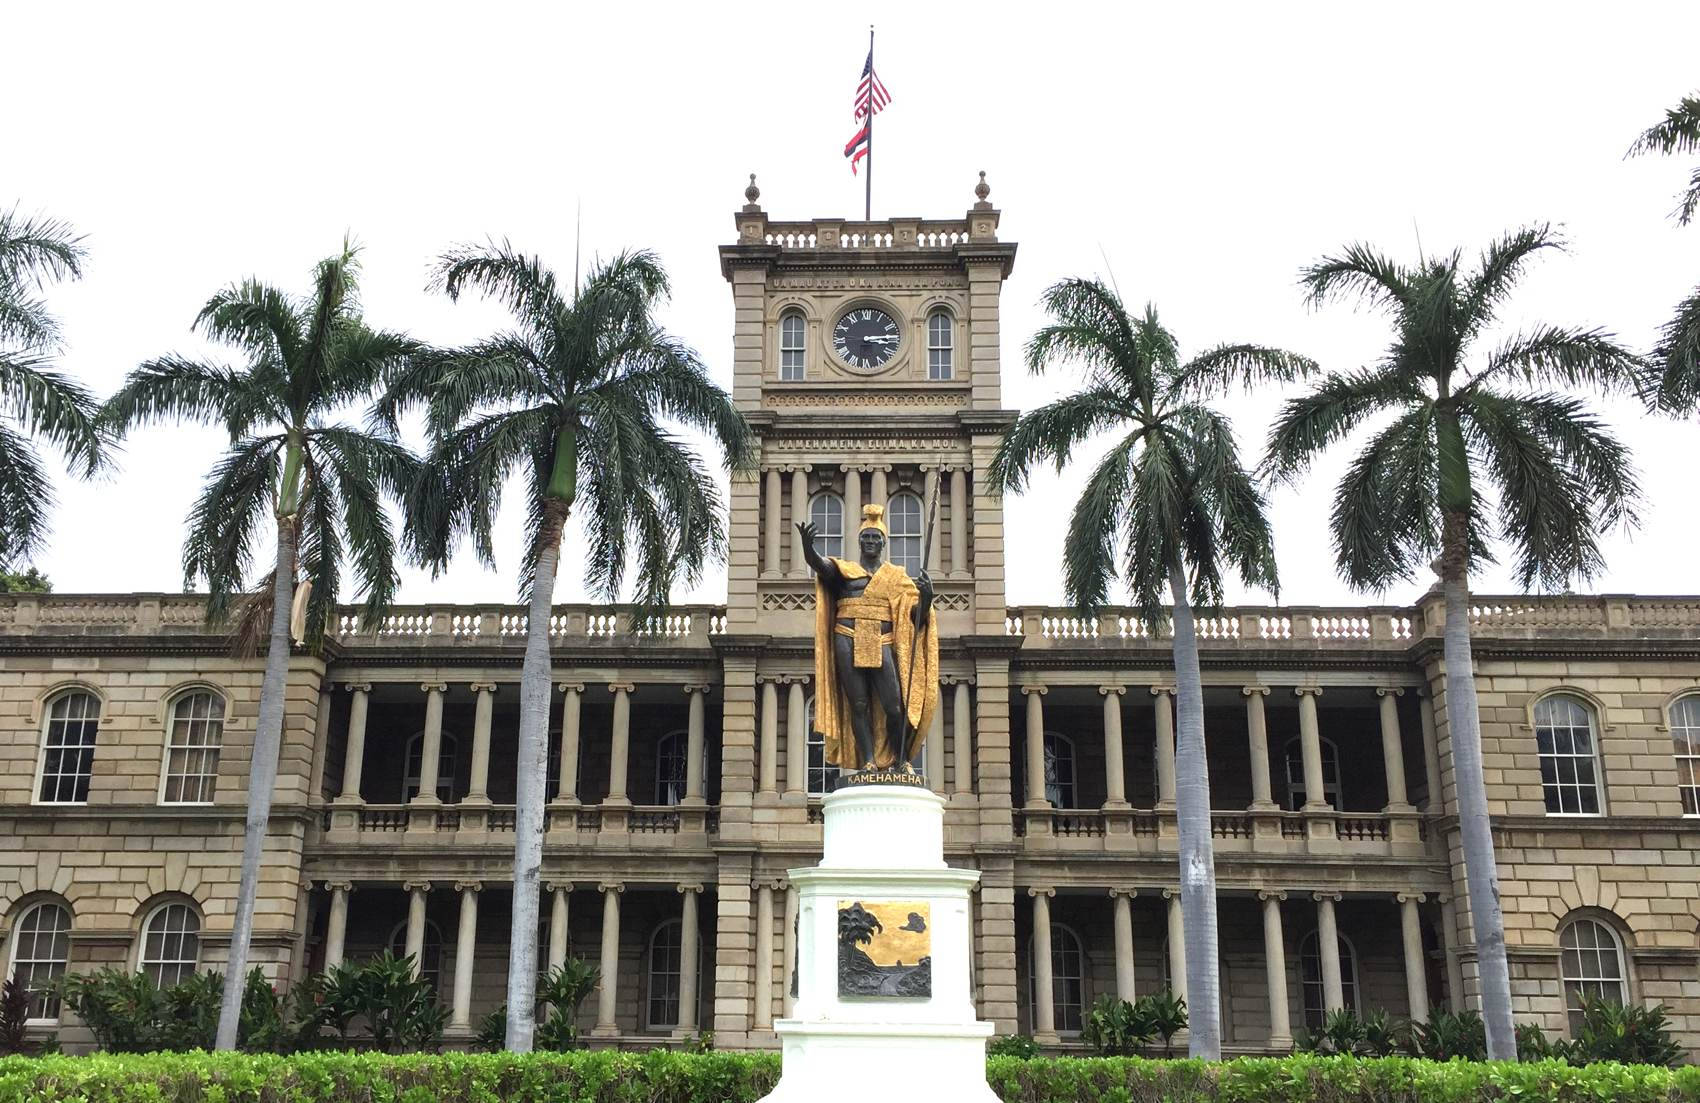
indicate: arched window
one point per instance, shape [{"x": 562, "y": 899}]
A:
[
  {"x": 191, "y": 748},
  {"x": 67, "y": 747},
  {"x": 1570, "y": 772},
  {"x": 1590, "y": 961},
  {"x": 823, "y": 777},
  {"x": 430, "y": 951},
  {"x": 1059, "y": 770},
  {"x": 41, "y": 949},
  {"x": 171, "y": 944},
  {"x": 940, "y": 342},
  {"x": 826, "y": 513},
  {"x": 791, "y": 330},
  {"x": 666, "y": 959},
  {"x": 1068, "y": 979},
  {"x": 1685, "y": 741},
  {"x": 1296, "y": 795},
  {"x": 903, "y": 517},
  {"x": 670, "y": 763},
  {"x": 445, "y": 767},
  {"x": 1310, "y": 977}
]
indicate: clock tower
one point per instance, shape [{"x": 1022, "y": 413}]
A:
[{"x": 866, "y": 356}]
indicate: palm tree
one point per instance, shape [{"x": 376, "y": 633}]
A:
[
  {"x": 1170, "y": 502},
  {"x": 1676, "y": 357},
  {"x": 34, "y": 398},
  {"x": 574, "y": 397},
  {"x": 322, "y": 483},
  {"x": 1558, "y": 478}
]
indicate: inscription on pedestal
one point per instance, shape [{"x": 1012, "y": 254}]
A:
[{"x": 885, "y": 948}]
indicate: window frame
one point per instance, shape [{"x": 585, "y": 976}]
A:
[
  {"x": 918, "y": 536},
  {"x": 146, "y": 965},
  {"x": 941, "y": 355},
  {"x": 1061, "y": 934},
  {"x": 828, "y": 498},
  {"x": 1568, "y": 984},
  {"x": 828, "y": 774},
  {"x": 48, "y": 998},
  {"x": 1591, "y": 711},
  {"x": 65, "y": 693},
  {"x": 449, "y": 749},
  {"x": 650, "y": 1023},
  {"x": 431, "y": 936},
  {"x": 1053, "y": 741},
  {"x": 1296, "y": 785},
  {"x": 681, "y": 737},
  {"x": 1350, "y": 993},
  {"x": 797, "y": 371},
  {"x": 1686, "y": 727},
  {"x": 216, "y": 749}
]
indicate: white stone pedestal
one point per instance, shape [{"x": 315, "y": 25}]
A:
[{"x": 883, "y": 843}]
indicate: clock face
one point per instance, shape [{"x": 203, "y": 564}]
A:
[{"x": 865, "y": 338}]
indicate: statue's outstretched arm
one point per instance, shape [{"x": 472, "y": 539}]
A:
[{"x": 825, "y": 568}]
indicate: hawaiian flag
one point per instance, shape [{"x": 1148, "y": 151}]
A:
[{"x": 871, "y": 98}]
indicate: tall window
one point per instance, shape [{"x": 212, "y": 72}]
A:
[
  {"x": 1685, "y": 741},
  {"x": 445, "y": 767},
  {"x": 903, "y": 517},
  {"x": 939, "y": 345},
  {"x": 791, "y": 330},
  {"x": 171, "y": 944},
  {"x": 670, "y": 760},
  {"x": 1591, "y": 962},
  {"x": 430, "y": 951},
  {"x": 1068, "y": 979},
  {"x": 665, "y": 958},
  {"x": 1310, "y": 976},
  {"x": 67, "y": 748},
  {"x": 1059, "y": 770},
  {"x": 823, "y": 777},
  {"x": 1564, "y": 738},
  {"x": 41, "y": 948},
  {"x": 191, "y": 748},
  {"x": 1296, "y": 796},
  {"x": 826, "y": 513}
]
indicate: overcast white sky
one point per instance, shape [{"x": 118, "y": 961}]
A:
[{"x": 1207, "y": 150}]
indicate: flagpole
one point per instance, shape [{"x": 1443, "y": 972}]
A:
[{"x": 868, "y": 200}]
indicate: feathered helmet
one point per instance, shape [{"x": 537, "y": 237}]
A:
[{"x": 873, "y": 517}]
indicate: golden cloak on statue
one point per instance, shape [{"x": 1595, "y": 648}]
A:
[{"x": 890, "y": 597}]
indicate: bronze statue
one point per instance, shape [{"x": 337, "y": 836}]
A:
[{"x": 876, "y": 640}]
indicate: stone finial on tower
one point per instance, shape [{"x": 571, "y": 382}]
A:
[
  {"x": 753, "y": 193},
  {"x": 981, "y": 190}
]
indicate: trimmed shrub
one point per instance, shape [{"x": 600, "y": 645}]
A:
[{"x": 663, "y": 1076}]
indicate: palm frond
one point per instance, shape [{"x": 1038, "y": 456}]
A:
[
  {"x": 667, "y": 377},
  {"x": 54, "y": 407},
  {"x": 1677, "y": 132},
  {"x": 26, "y": 499},
  {"x": 36, "y": 250},
  {"x": 1359, "y": 272},
  {"x": 320, "y": 546},
  {"x": 1091, "y": 325},
  {"x": 363, "y": 471},
  {"x": 1089, "y": 552},
  {"x": 335, "y": 311},
  {"x": 257, "y": 318},
  {"x": 1386, "y": 514},
  {"x": 1051, "y": 432},
  {"x": 1501, "y": 268},
  {"x": 1341, "y": 401},
  {"x": 1676, "y": 359},
  {"x": 177, "y": 388},
  {"x": 1236, "y": 367},
  {"x": 456, "y": 492},
  {"x": 227, "y": 522},
  {"x": 359, "y": 362},
  {"x": 1226, "y": 502},
  {"x": 524, "y": 284},
  {"x": 1574, "y": 357}
]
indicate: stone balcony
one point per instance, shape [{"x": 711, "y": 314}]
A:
[
  {"x": 1260, "y": 834},
  {"x": 475, "y": 825}
]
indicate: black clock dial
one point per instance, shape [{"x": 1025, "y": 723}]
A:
[{"x": 865, "y": 338}]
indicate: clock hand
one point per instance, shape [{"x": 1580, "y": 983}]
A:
[{"x": 880, "y": 340}]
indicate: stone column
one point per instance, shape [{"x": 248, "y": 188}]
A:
[
  {"x": 962, "y": 739},
  {"x": 1275, "y": 969},
  {"x": 773, "y": 520},
  {"x": 1392, "y": 751},
  {"x": 414, "y": 946},
  {"x": 1257, "y": 737},
  {"x": 762, "y": 986},
  {"x": 619, "y": 755},
  {"x": 852, "y": 502},
  {"x": 558, "y": 945},
  {"x": 1121, "y": 901},
  {"x": 877, "y": 494},
  {"x": 1416, "y": 976},
  {"x": 478, "y": 789},
  {"x": 1115, "y": 775},
  {"x": 933, "y": 750},
  {"x": 689, "y": 936},
  {"x": 1310, "y": 744},
  {"x": 1177, "y": 944},
  {"x": 799, "y": 512},
  {"x": 336, "y": 928},
  {"x": 959, "y": 521},
  {"x": 1044, "y": 987},
  {"x": 607, "y": 987},
  {"x": 1328, "y": 949},
  {"x": 788, "y": 969},
  {"x": 354, "y": 756},
  {"x": 769, "y": 738},
  {"x": 570, "y": 707},
  {"x": 796, "y": 741},
  {"x": 1163, "y": 701},
  {"x": 466, "y": 945},
  {"x": 431, "y": 743},
  {"x": 1436, "y": 804},
  {"x": 1037, "y": 796},
  {"x": 694, "y": 735}
]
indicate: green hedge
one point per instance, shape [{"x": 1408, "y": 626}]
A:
[{"x": 668, "y": 1077}]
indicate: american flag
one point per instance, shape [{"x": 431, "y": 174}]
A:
[{"x": 871, "y": 98}]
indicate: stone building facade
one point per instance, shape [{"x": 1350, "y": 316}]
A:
[{"x": 684, "y": 783}]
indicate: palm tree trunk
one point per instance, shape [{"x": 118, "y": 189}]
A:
[
  {"x": 1481, "y": 867},
  {"x": 1192, "y": 820},
  {"x": 262, "y": 779},
  {"x": 534, "y": 697}
]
